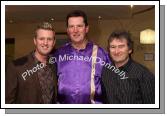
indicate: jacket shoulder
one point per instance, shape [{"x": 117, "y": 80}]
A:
[{"x": 20, "y": 61}]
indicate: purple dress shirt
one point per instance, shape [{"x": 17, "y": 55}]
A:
[{"x": 74, "y": 74}]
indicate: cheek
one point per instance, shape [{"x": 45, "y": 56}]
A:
[
  {"x": 125, "y": 53},
  {"x": 52, "y": 43},
  {"x": 111, "y": 50},
  {"x": 69, "y": 31},
  {"x": 37, "y": 43}
]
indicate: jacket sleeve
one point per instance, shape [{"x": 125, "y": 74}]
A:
[
  {"x": 147, "y": 84},
  {"x": 54, "y": 68},
  {"x": 11, "y": 84}
]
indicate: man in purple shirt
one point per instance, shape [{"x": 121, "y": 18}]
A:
[{"x": 79, "y": 64}]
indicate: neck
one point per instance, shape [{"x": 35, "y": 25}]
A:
[
  {"x": 81, "y": 45},
  {"x": 41, "y": 58},
  {"x": 119, "y": 64}
]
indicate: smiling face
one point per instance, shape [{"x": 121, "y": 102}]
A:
[
  {"x": 119, "y": 51},
  {"x": 77, "y": 30},
  {"x": 44, "y": 41}
]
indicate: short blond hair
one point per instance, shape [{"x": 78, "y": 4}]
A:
[{"x": 45, "y": 26}]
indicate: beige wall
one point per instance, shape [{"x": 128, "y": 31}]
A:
[
  {"x": 134, "y": 25},
  {"x": 24, "y": 33},
  {"x": 99, "y": 32}
]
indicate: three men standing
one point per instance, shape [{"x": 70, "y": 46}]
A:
[{"x": 79, "y": 81}]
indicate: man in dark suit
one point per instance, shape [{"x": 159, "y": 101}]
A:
[
  {"x": 126, "y": 81},
  {"x": 32, "y": 78}
]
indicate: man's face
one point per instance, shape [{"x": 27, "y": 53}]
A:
[
  {"x": 119, "y": 51},
  {"x": 76, "y": 29},
  {"x": 44, "y": 41}
]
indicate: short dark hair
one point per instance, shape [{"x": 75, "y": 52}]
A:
[
  {"x": 46, "y": 26},
  {"x": 77, "y": 13},
  {"x": 121, "y": 34}
]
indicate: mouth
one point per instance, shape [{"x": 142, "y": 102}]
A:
[
  {"x": 116, "y": 56},
  {"x": 76, "y": 35},
  {"x": 45, "y": 47}
]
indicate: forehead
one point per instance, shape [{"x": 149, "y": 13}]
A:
[
  {"x": 118, "y": 41},
  {"x": 44, "y": 32},
  {"x": 74, "y": 20}
]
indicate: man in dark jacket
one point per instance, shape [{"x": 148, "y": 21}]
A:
[
  {"x": 126, "y": 81},
  {"x": 32, "y": 78}
]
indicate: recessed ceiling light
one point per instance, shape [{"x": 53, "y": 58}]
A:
[
  {"x": 131, "y": 6},
  {"x": 52, "y": 19},
  {"x": 11, "y": 21},
  {"x": 99, "y": 17}
]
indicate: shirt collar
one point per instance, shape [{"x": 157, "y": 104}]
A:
[
  {"x": 127, "y": 65},
  {"x": 36, "y": 60},
  {"x": 88, "y": 45}
]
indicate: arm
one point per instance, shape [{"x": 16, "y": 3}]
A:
[
  {"x": 10, "y": 84},
  {"x": 147, "y": 84},
  {"x": 54, "y": 69}
]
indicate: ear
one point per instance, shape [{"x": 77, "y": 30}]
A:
[
  {"x": 67, "y": 30},
  {"x": 87, "y": 29},
  {"x": 130, "y": 51},
  {"x": 54, "y": 42},
  {"x": 35, "y": 41}
]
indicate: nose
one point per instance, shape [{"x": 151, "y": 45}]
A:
[
  {"x": 117, "y": 50},
  {"x": 46, "y": 41},
  {"x": 75, "y": 29}
]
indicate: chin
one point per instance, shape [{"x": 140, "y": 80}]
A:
[
  {"x": 77, "y": 40},
  {"x": 45, "y": 53},
  {"x": 117, "y": 61}
]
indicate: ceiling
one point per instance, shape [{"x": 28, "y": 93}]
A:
[{"x": 37, "y": 13}]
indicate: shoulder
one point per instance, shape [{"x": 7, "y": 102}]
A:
[
  {"x": 141, "y": 69},
  {"x": 105, "y": 70},
  {"x": 139, "y": 66},
  {"x": 101, "y": 50},
  {"x": 63, "y": 48},
  {"x": 21, "y": 61},
  {"x": 102, "y": 53}
]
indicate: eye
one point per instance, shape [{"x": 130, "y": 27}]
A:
[
  {"x": 121, "y": 46},
  {"x": 112, "y": 46},
  {"x": 41, "y": 38},
  {"x": 50, "y": 39},
  {"x": 80, "y": 25},
  {"x": 70, "y": 26}
]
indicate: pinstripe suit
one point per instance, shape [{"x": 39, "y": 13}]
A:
[{"x": 138, "y": 88}]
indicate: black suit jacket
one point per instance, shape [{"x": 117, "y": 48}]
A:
[{"x": 138, "y": 88}]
